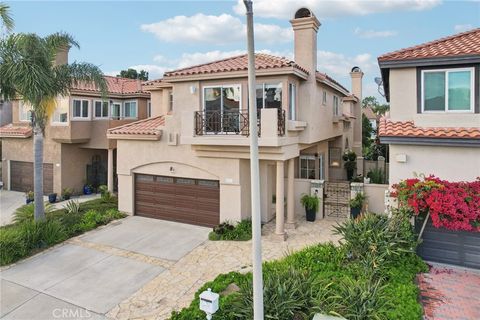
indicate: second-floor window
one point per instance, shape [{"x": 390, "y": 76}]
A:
[
  {"x": 60, "y": 115},
  {"x": 324, "y": 97},
  {"x": 116, "y": 109},
  {"x": 149, "y": 109},
  {"x": 292, "y": 97},
  {"x": 449, "y": 90},
  {"x": 269, "y": 95},
  {"x": 130, "y": 109},
  {"x": 80, "y": 109},
  {"x": 170, "y": 101},
  {"x": 101, "y": 109},
  {"x": 336, "y": 106},
  {"x": 25, "y": 111}
]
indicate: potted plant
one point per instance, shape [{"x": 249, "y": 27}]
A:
[
  {"x": 87, "y": 189},
  {"x": 310, "y": 203},
  {"x": 29, "y": 196},
  {"x": 67, "y": 193},
  {"x": 52, "y": 197},
  {"x": 356, "y": 204}
]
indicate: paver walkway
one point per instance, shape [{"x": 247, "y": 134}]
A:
[
  {"x": 450, "y": 293},
  {"x": 174, "y": 288}
]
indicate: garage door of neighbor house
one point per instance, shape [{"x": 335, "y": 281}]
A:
[
  {"x": 453, "y": 247},
  {"x": 185, "y": 200},
  {"x": 21, "y": 176}
]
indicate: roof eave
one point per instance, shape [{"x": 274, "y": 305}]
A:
[
  {"x": 413, "y": 140},
  {"x": 334, "y": 86},
  {"x": 421, "y": 62},
  {"x": 123, "y": 136}
]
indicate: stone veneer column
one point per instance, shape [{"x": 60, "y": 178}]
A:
[
  {"x": 110, "y": 170},
  {"x": 279, "y": 205},
  {"x": 290, "y": 195}
]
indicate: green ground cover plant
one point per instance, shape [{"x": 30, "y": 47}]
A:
[
  {"x": 242, "y": 231},
  {"x": 369, "y": 275},
  {"x": 26, "y": 237}
]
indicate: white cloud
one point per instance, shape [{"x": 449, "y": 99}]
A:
[
  {"x": 337, "y": 64},
  {"x": 462, "y": 27},
  {"x": 210, "y": 29},
  {"x": 285, "y": 9},
  {"x": 191, "y": 59},
  {"x": 370, "y": 34}
]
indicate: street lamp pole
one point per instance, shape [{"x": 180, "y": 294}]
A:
[{"x": 254, "y": 171}]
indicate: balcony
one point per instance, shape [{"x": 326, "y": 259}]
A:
[{"x": 235, "y": 123}]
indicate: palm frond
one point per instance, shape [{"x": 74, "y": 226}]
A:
[
  {"x": 59, "y": 41},
  {"x": 5, "y": 17},
  {"x": 80, "y": 72}
]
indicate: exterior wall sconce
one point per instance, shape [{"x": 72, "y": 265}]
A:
[
  {"x": 193, "y": 89},
  {"x": 172, "y": 170}
]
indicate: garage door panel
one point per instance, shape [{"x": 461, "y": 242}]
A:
[
  {"x": 178, "y": 199},
  {"x": 21, "y": 176}
]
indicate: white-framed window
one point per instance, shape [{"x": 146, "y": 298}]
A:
[
  {"x": 447, "y": 90},
  {"x": 269, "y": 95},
  {"x": 80, "y": 109},
  {"x": 324, "y": 97},
  {"x": 292, "y": 103},
  {"x": 24, "y": 111},
  {"x": 336, "y": 106},
  {"x": 60, "y": 115},
  {"x": 149, "y": 108},
  {"x": 170, "y": 101},
  {"x": 115, "y": 110},
  {"x": 129, "y": 110},
  {"x": 307, "y": 167},
  {"x": 100, "y": 109}
]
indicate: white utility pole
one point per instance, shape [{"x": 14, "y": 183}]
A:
[{"x": 254, "y": 171}]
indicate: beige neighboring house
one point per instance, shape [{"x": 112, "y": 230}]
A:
[
  {"x": 190, "y": 161},
  {"x": 76, "y": 148},
  {"x": 434, "y": 121}
]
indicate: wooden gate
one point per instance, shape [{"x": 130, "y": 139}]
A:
[{"x": 336, "y": 199}]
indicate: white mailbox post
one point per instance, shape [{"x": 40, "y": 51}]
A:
[{"x": 209, "y": 302}]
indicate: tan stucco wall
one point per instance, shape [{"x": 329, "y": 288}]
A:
[
  {"x": 403, "y": 104},
  {"x": 449, "y": 163},
  {"x": 375, "y": 196}
]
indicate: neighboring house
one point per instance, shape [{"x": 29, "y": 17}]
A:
[
  {"x": 434, "y": 123},
  {"x": 190, "y": 161},
  {"x": 5, "y": 113},
  {"x": 434, "y": 126},
  {"x": 76, "y": 148}
]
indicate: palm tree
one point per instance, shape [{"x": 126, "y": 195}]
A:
[
  {"x": 5, "y": 18},
  {"x": 28, "y": 70}
]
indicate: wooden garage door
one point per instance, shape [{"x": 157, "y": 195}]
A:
[
  {"x": 21, "y": 175},
  {"x": 178, "y": 199}
]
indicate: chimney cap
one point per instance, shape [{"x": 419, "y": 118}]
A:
[
  {"x": 303, "y": 13},
  {"x": 356, "y": 69}
]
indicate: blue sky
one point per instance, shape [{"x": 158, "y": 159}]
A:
[{"x": 163, "y": 35}]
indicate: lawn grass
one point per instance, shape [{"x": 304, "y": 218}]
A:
[{"x": 26, "y": 237}]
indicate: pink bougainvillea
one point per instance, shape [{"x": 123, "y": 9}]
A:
[{"x": 452, "y": 205}]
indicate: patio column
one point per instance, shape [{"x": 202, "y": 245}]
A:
[
  {"x": 290, "y": 195},
  {"x": 279, "y": 204},
  {"x": 110, "y": 170}
]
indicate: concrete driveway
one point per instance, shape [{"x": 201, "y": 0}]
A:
[
  {"x": 89, "y": 275},
  {"x": 9, "y": 202}
]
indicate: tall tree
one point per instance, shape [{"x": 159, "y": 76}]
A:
[
  {"x": 28, "y": 70},
  {"x": 378, "y": 108},
  {"x": 5, "y": 18},
  {"x": 134, "y": 74}
]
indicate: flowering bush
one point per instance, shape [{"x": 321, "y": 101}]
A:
[{"x": 452, "y": 205}]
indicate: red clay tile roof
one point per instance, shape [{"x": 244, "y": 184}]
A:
[
  {"x": 325, "y": 77},
  {"x": 150, "y": 126},
  {"x": 390, "y": 128},
  {"x": 116, "y": 85},
  {"x": 237, "y": 63},
  {"x": 368, "y": 112},
  {"x": 15, "y": 131},
  {"x": 465, "y": 43}
]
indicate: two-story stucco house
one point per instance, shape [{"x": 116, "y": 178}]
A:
[
  {"x": 76, "y": 148},
  {"x": 434, "y": 127},
  {"x": 434, "y": 122},
  {"x": 190, "y": 161}
]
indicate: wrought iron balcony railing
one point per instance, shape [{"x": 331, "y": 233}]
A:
[{"x": 230, "y": 122}]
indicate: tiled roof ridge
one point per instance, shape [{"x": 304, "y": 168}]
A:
[
  {"x": 205, "y": 63},
  {"x": 427, "y": 44},
  {"x": 149, "y": 131}
]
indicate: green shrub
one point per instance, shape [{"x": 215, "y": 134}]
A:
[
  {"x": 90, "y": 220},
  {"x": 31, "y": 234},
  {"x": 358, "y": 200},
  {"x": 226, "y": 231},
  {"x": 318, "y": 258},
  {"x": 353, "y": 299},
  {"x": 67, "y": 193},
  {"x": 309, "y": 202},
  {"x": 105, "y": 194},
  {"x": 404, "y": 304},
  {"x": 287, "y": 295},
  {"x": 12, "y": 246},
  {"x": 25, "y": 212},
  {"x": 72, "y": 207},
  {"x": 52, "y": 232},
  {"x": 376, "y": 175}
]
